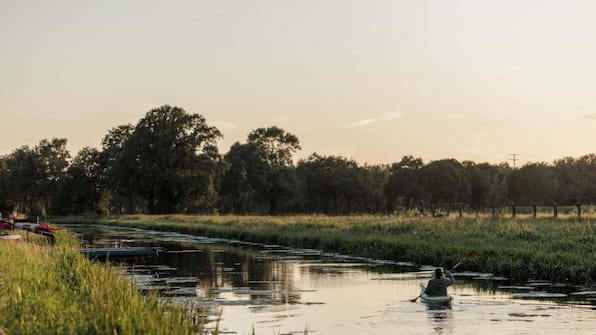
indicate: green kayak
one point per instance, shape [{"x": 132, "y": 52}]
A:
[{"x": 435, "y": 300}]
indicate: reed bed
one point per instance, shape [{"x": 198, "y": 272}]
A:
[
  {"x": 558, "y": 250},
  {"x": 54, "y": 290}
]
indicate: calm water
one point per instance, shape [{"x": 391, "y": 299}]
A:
[{"x": 277, "y": 290}]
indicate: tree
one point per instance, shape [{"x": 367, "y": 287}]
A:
[
  {"x": 31, "y": 175},
  {"x": 273, "y": 148},
  {"x": 118, "y": 170},
  {"x": 275, "y": 145},
  {"x": 240, "y": 183},
  {"x": 171, "y": 160},
  {"x": 445, "y": 182},
  {"x": 331, "y": 183},
  {"x": 80, "y": 190},
  {"x": 52, "y": 162},
  {"x": 403, "y": 183},
  {"x": 19, "y": 178},
  {"x": 533, "y": 183}
]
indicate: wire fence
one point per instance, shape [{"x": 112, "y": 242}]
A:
[{"x": 513, "y": 211}]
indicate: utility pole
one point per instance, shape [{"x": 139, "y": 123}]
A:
[{"x": 514, "y": 159}]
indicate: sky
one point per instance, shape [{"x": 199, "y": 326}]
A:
[{"x": 370, "y": 80}]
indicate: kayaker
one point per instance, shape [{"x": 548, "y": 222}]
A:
[{"x": 438, "y": 285}]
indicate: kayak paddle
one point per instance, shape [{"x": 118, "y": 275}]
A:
[{"x": 470, "y": 254}]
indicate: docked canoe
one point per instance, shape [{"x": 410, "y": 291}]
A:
[
  {"x": 11, "y": 237},
  {"x": 118, "y": 252},
  {"x": 434, "y": 300}
]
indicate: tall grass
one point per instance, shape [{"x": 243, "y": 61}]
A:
[
  {"x": 54, "y": 290},
  {"x": 562, "y": 250}
]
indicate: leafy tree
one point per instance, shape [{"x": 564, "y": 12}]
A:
[
  {"x": 272, "y": 150},
  {"x": 52, "y": 162},
  {"x": 403, "y": 183},
  {"x": 240, "y": 182},
  {"x": 80, "y": 190},
  {"x": 175, "y": 162},
  {"x": 376, "y": 177},
  {"x": 533, "y": 183},
  {"x": 31, "y": 175},
  {"x": 330, "y": 183},
  {"x": 19, "y": 179},
  {"x": 119, "y": 171},
  {"x": 274, "y": 145},
  {"x": 446, "y": 182}
]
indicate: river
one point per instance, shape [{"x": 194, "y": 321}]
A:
[{"x": 278, "y": 290}]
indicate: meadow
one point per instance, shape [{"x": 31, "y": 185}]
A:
[
  {"x": 555, "y": 249},
  {"x": 48, "y": 289}
]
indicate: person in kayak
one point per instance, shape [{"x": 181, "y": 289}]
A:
[{"x": 438, "y": 285}]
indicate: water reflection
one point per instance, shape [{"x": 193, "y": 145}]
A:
[
  {"x": 441, "y": 318},
  {"x": 280, "y": 290}
]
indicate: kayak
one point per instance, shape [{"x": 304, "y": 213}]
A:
[
  {"x": 434, "y": 300},
  {"x": 11, "y": 237},
  {"x": 118, "y": 252}
]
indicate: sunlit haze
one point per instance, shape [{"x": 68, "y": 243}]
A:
[{"x": 369, "y": 80}]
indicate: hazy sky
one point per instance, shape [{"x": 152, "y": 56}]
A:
[{"x": 369, "y": 80}]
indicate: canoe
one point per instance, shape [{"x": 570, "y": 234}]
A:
[
  {"x": 11, "y": 237},
  {"x": 118, "y": 252},
  {"x": 434, "y": 300}
]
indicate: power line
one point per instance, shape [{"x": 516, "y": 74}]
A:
[{"x": 514, "y": 159}]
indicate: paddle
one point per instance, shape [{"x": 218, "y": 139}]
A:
[{"x": 470, "y": 254}]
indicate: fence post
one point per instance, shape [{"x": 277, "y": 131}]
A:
[
  {"x": 555, "y": 210},
  {"x": 460, "y": 209},
  {"x": 534, "y": 211},
  {"x": 579, "y": 211},
  {"x": 513, "y": 211}
]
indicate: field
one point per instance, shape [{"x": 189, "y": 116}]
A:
[
  {"x": 559, "y": 250},
  {"x": 53, "y": 290}
]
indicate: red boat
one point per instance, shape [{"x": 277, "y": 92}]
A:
[
  {"x": 6, "y": 225},
  {"x": 43, "y": 227}
]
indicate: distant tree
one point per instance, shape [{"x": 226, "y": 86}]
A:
[
  {"x": 446, "y": 182},
  {"x": 577, "y": 179},
  {"x": 274, "y": 145},
  {"x": 373, "y": 197},
  {"x": 403, "y": 183},
  {"x": 52, "y": 162},
  {"x": 119, "y": 171},
  {"x": 19, "y": 179},
  {"x": 244, "y": 181},
  {"x": 167, "y": 163},
  {"x": 331, "y": 183},
  {"x": 31, "y": 175},
  {"x": 272, "y": 148},
  {"x": 533, "y": 183},
  {"x": 80, "y": 190},
  {"x": 175, "y": 162}
]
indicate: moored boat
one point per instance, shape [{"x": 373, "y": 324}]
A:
[
  {"x": 11, "y": 237},
  {"x": 118, "y": 252}
]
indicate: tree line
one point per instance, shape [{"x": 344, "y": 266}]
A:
[{"x": 169, "y": 162}]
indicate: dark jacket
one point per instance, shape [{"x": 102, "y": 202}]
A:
[{"x": 439, "y": 286}]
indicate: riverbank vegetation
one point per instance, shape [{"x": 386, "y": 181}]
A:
[
  {"x": 54, "y": 290},
  {"x": 169, "y": 162},
  {"x": 558, "y": 250}
]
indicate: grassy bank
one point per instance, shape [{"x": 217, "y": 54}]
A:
[
  {"x": 54, "y": 290},
  {"x": 555, "y": 250}
]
